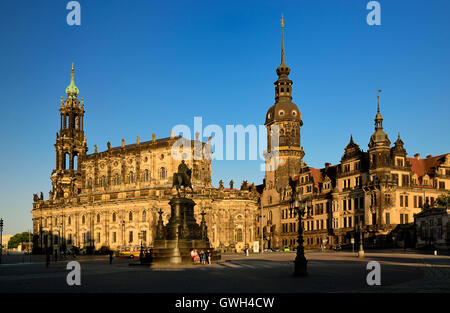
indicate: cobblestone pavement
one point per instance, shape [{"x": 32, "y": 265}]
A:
[{"x": 269, "y": 272}]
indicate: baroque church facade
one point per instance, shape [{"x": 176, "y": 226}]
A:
[{"x": 111, "y": 199}]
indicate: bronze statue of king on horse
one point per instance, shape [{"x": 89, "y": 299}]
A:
[{"x": 182, "y": 178}]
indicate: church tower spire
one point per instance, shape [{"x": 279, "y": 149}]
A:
[
  {"x": 72, "y": 90},
  {"x": 378, "y": 117},
  {"x": 283, "y": 122},
  {"x": 282, "y": 39},
  {"x": 283, "y": 86},
  {"x": 379, "y": 137},
  {"x": 70, "y": 144}
]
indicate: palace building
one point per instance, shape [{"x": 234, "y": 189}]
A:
[
  {"x": 110, "y": 199},
  {"x": 374, "y": 191}
]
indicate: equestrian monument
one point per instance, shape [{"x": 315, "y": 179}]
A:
[{"x": 175, "y": 240}]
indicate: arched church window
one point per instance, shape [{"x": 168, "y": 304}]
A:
[
  {"x": 103, "y": 181},
  {"x": 116, "y": 179},
  {"x": 282, "y": 90},
  {"x": 114, "y": 217},
  {"x": 146, "y": 175},
  {"x": 131, "y": 178},
  {"x": 98, "y": 218},
  {"x": 144, "y": 216},
  {"x": 239, "y": 235},
  {"x": 163, "y": 173},
  {"x": 130, "y": 216},
  {"x": 287, "y": 89},
  {"x": 66, "y": 161},
  {"x": 83, "y": 220},
  {"x": 69, "y": 220},
  {"x": 75, "y": 162}
]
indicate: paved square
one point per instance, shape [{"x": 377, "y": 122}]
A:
[{"x": 236, "y": 273}]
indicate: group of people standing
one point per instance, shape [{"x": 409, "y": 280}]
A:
[{"x": 201, "y": 257}]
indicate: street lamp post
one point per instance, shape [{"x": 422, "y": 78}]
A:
[
  {"x": 41, "y": 240},
  {"x": 59, "y": 236},
  {"x": 261, "y": 230},
  {"x": 1, "y": 239},
  {"x": 300, "y": 259},
  {"x": 141, "y": 253},
  {"x": 361, "y": 248},
  {"x": 353, "y": 243},
  {"x": 123, "y": 232},
  {"x": 29, "y": 244}
]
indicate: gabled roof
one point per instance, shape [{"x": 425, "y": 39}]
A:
[
  {"x": 426, "y": 166},
  {"x": 317, "y": 176}
]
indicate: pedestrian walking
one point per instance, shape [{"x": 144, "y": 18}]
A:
[
  {"x": 197, "y": 257},
  {"x": 209, "y": 256},
  {"x": 110, "y": 257},
  {"x": 193, "y": 256},
  {"x": 202, "y": 257}
]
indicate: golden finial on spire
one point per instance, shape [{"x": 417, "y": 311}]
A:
[
  {"x": 282, "y": 21},
  {"x": 72, "y": 67}
]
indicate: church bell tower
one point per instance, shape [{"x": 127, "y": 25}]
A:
[{"x": 70, "y": 145}]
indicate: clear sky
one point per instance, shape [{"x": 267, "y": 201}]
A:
[{"x": 145, "y": 66}]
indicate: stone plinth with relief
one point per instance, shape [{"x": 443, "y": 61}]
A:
[{"x": 175, "y": 241}]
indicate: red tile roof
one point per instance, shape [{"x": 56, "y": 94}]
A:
[
  {"x": 428, "y": 166},
  {"x": 317, "y": 176}
]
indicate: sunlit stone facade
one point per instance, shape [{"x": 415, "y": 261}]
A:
[{"x": 111, "y": 198}]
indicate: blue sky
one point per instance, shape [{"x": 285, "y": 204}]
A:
[{"x": 145, "y": 66}]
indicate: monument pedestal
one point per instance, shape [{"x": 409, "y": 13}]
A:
[{"x": 175, "y": 241}]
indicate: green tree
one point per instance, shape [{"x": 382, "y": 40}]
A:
[
  {"x": 17, "y": 239},
  {"x": 443, "y": 200}
]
